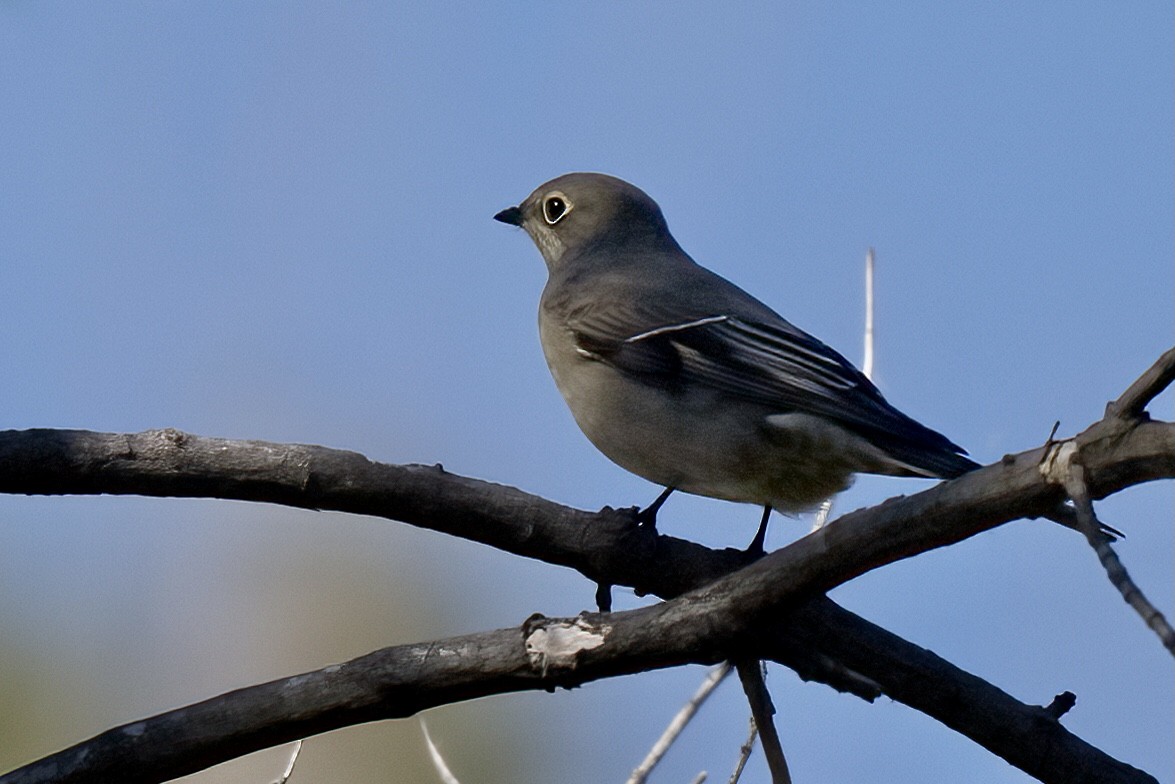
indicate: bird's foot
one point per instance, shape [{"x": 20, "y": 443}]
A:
[{"x": 647, "y": 517}]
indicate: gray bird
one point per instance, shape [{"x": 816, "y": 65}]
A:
[{"x": 682, "y": 378}]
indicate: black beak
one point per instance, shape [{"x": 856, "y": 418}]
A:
[{"x": 511, "y": 215}]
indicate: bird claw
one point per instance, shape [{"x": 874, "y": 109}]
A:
[
  {"x": 754, "y": 551},
  {"x": 645, "y": 518}
]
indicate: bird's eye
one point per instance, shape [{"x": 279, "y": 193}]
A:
[{"x": 555, "y": 206}]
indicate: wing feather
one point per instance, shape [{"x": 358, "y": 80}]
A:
[{"x": 770, "y": 363}]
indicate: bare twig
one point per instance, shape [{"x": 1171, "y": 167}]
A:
[
  {"x": 750, "y": 672},
  {"x": 1073, "y": 473},
  {"x": 1146, "y": 388},
  {"x": 744, "y": 753},
  {"x": 438, "y": 762},
  {"x": 1061, "y": 704},
  {"x": 679, "y": 722},
  {"x": 289, "y": 771}
]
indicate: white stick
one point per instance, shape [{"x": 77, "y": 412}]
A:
[
  {"x": 744, "y": 754},
  {"x": 822, "y": 514},
  {"x": 867, "y": 364},
  {"x": 290, "y": 765},
  {"x": 438, "y": 761},
  {"x": 642, "y": 771}
]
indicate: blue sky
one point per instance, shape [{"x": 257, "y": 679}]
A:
[{"x": 273, "y": 221}]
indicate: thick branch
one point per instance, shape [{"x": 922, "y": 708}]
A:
[
  {"x": 390, "y": 683},
  {"x": 605, "y": 546},
  {"x": 397, "y": 682}
]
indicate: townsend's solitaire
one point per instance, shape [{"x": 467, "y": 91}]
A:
[{"x": 684, "y": 379}]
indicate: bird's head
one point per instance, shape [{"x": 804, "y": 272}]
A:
[{"x": 582, "y": 210}]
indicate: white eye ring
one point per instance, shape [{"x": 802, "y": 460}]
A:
[{"x": 555, "y": 207}]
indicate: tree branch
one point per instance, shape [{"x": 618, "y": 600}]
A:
[
  {"x": 608, "y": 548},
  {"x": 1026, "y": 736},
  {"x": 400, "y": 681},
  {"x": 1137, "y": 397},
  {"x": 1075, "y": 486},
  {"x": 750, "y": 672},
  {"x": 605, "y": 546}
]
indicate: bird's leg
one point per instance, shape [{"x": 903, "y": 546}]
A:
[
  {"x": 604, "y": 597},
  {"x": 755, "y": 549},
  {"x": 648, "y": 515}
]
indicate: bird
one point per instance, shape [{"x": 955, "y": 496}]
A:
[{"x": 683, "y": 378}]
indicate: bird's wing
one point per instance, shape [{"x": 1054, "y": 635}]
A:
[{"x": 767, "y": 362}]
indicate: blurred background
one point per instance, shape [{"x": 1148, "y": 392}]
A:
[{"x": 273, "y": 221}]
